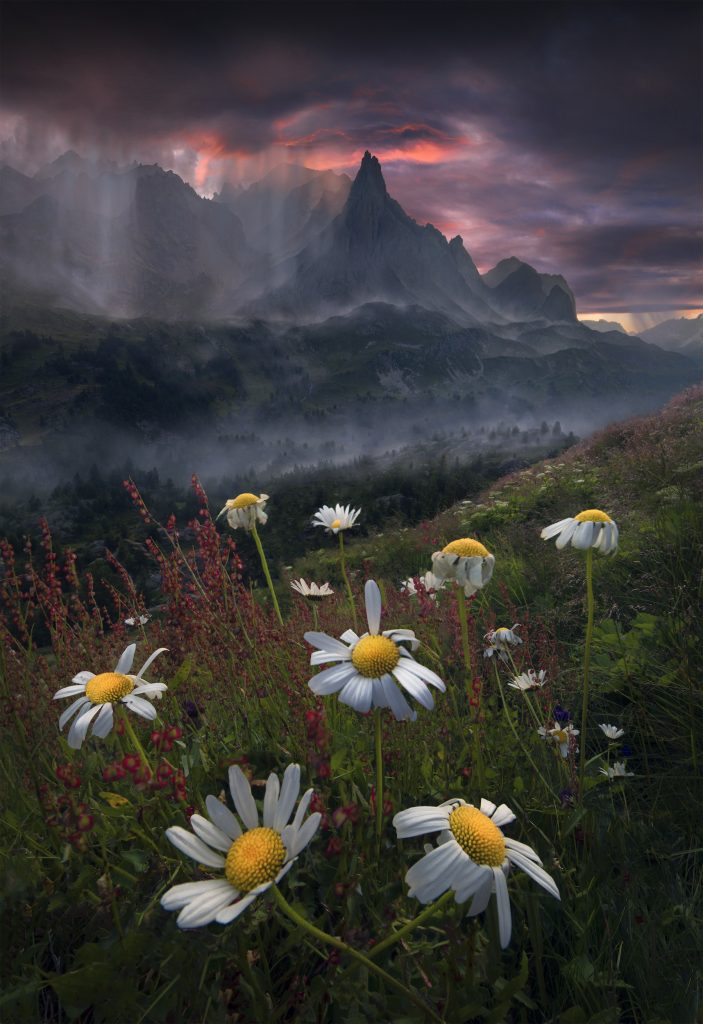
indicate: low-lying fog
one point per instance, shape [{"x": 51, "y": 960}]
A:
[{"x": 238, "y": 449}]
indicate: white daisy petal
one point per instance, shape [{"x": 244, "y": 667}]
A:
[
  {"x": 502, "y": 816},
  {"x": 567, "y": 533},
  {"x": 481, "y": 895},
  {"x": 71, "y": 710},
  {"x": 70, "y": 691},
  {"x": 331, "y": 679},
  {"x": 401, "y": 710},
  {"x": 273, "y": 788},
  {"x": 221, "y": 816},
  {"x": 534, "y": 871},
  {"x": 232, "y": 912},
  {"x": 289, "y": 794},
  {"x": 418, "y": 821},
  {"x": 125, "y": 662},
  {"x": 323, "y": 657},
  {"x": 145, "y": 666},
  {"x": 505, "y": 924},
  {"x": 210, "y": 833},
  {"x": 424, "y": 673},
  {"x": 178, "y": 896},
  {"x": 104, "y": 722},
  {"x": 415, "y": 687},
  {"x": 203, "y": 909},
  {"x": 435, "y": 872},
  {"x": 140, "y": 707},
  {"x": 372, "y": 597},
  {"x": 302, "y": 809},
  {"x": 487, "y": 807},
  {"x": 523, "y": 848},
  {"x": 305, "y": 834},
  {"x": 614, "y": 537},
  {"x": 325, "y": 643},
  {"x": 551, "y": 531},
  {"x": 357, "y": 693},
  {"x": 241, "y": 795},
  {"x": 79, "y": 729},
  {"x": 349, "y": 636},
  {"x": 470, "y": 879},
  {"x": 83, "y": 677},
  {"x": 150, "y": 689},
  {"x": 193, "y": 847},
  {"x": 583, "y": 536}
]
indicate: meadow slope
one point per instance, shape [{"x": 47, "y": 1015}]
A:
[{"x": 83, "y": 847}]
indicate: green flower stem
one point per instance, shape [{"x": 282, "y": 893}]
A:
[
  {"x": 378, "y": 738},
  {"x": 134, "y": 738},
  {"x": 518, "y": 738},
  {"x": 315, "y": 620},
  {"x": 398, "y": 936},
  {"x": 267, "y": 574},
  {"x": 331, "y": 940},
  {"x": 527, "y": 696},
  {"x": 586, "y": 665},
  {"x": 466, "y": 647},
  {"x": 347, "y": 584},
  {"x": 461, "y": 604}
]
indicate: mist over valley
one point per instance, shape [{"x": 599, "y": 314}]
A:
[{"x": 299, "y": 324}]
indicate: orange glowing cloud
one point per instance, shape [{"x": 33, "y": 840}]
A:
[
  {"x": 336, "y": 150},
  {"x": 209, "y": 149}
]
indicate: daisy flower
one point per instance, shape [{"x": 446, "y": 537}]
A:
[
  {"x": 616, "y": 772},
  {"x": 473, "y": 856},
  {"x": 341, "y": 517},
  {"x": 244, "y": 510},
  {"x": 313, "y": 591},
  {"x": 467, "y": 561},
  {"x": 501, "y": 640},
  {"x": 589, "y": 529},
  {"x": 252, "y": 858},
  {"x": 429, "y": 583},
  {"x": 372, "y": 664},
  {"x": 98, "y": 693},
  {"x": 560, "y": 734},
  {"x": 612, "y": 731},
  {"x": 529, "y": 680}
]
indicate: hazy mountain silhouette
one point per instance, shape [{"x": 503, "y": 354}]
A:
[
  {"x": 133, "y": 242},
  {"x": 682, "y": 334},
  {"x": 298, "y": 244}
]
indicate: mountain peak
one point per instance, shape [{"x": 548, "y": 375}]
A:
[{"x": 369, "y": 178}]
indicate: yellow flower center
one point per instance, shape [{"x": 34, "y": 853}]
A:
[
  {"x": 592, "y": 515},
  {"x": 560, "y": 735},
  {"x": 108, "y": 687},
  {"x": 478, "y": 836},
  {"x": 256, "y": 857},
  {"x": 374, "y": 656},
  {"x": 243, "y": 500},
  {"x": 466, "y": 547},
  {"x": 501, "y": 633},
  {"x": 335, "y": 524}
]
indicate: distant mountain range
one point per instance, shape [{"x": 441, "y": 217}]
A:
[
  {"x": 603, "y": 326},
  {"x": 137, "y": 313},
  {"x": 683, "y": 335},
  {"x": 299, "y": 244}
]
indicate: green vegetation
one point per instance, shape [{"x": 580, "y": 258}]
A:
[{"x": 84, "y": 853}]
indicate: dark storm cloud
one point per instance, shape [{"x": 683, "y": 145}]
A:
[{"x": 529, "y": 127}]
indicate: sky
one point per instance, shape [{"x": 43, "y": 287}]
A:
[{"x": 568, "y": 134}]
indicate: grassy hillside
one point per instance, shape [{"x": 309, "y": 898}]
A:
[{"x": 84, "y": 850}]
